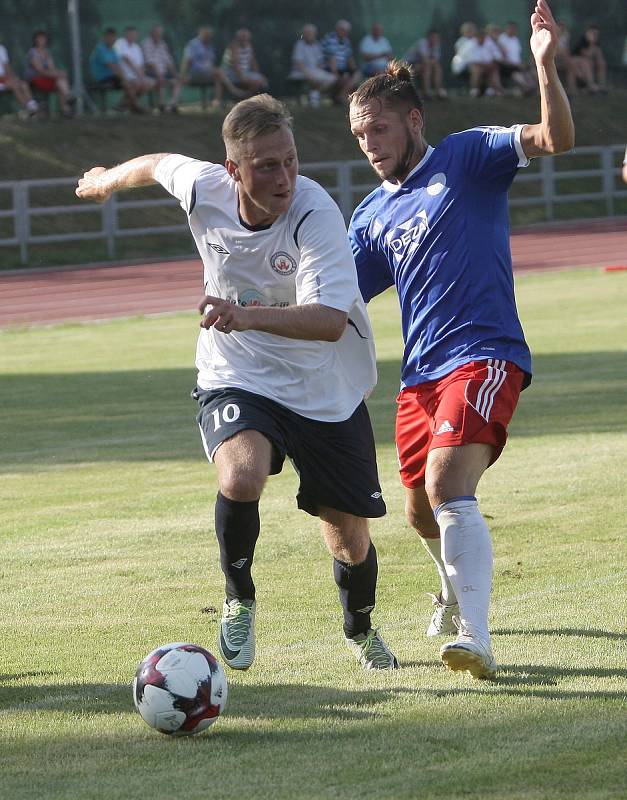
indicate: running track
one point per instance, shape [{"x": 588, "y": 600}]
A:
[{"x": 91, "y": 293}]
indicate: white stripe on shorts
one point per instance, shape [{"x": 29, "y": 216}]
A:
[{"x": 488, "y": 389}]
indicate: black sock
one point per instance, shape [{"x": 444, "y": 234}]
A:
[
  {"x": 237, "y": 529},
  {"x": 357, "y": 585}
]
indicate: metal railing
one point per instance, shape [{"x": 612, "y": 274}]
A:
[{"x": 346, "y": 181}]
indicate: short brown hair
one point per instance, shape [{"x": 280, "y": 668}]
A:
[
  {"x": 395, "y": 87},
  {"x": 250, "y": 118}
]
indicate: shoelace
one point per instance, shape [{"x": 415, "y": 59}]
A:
[
  {"x": 440, "y": 608},
  {"x": 374, "y": 650},
  {"x": 238, "y": 619}
]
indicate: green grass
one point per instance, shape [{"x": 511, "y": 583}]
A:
[{"x": 107, "y": 550}]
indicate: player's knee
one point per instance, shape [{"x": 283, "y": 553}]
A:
[
  {"x": 241, "y": 485},
  {"x": 423, "y": 521}
]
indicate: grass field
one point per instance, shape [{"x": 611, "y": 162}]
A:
[{"x": 107, "y": 550}]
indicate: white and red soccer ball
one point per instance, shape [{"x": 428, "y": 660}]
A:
[{"x": 180, "y": 689}]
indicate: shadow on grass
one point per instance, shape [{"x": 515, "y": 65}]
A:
[
  {"x": 144, "y": 415},
  {"x": 584, "y": 632},
  {"x": 301, "y": 701}
]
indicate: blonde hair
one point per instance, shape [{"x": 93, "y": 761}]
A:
[{"x": 250, "y": 118}]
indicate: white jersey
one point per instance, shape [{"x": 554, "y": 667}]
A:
[
  {"x": 303, "y": 257},
  {"x": 4, "y": 60},
  {"x": 133, "y": 52}
]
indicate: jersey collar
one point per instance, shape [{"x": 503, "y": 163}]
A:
[{"x": 394, "y": 187}]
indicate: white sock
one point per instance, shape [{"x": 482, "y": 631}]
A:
[
  {"x": 467, "y": 556},
  {"x": 434, "y": 548}
]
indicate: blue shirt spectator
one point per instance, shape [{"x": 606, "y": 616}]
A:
[
  {"x": 338, "y": 51},
  {"x": 103, "y": 55}
]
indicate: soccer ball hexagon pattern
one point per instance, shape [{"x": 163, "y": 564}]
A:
[{"x": 180, "y": 689}]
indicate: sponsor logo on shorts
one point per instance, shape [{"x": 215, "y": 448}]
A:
[
  {"x": 283, "y": 263},
  {"x": 445, "y": 427}
]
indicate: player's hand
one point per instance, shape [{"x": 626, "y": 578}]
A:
[
  {"x": 221, "y": 314},
  {"x": 92, "y": 187},
  {"x": 544, "y": 33}
]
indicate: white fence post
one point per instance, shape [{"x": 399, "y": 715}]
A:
[
  {"x": 607, "y": 165},
  {"x": 21, "y": 219},
  {"x": 110, "y": 223}
]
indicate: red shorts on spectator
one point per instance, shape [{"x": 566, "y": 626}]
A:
[
  {"x": 471, "y": 405},
  {"x": 44, "y": 84}
]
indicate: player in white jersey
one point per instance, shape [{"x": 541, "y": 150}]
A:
[{"x": 285, "y": 358}]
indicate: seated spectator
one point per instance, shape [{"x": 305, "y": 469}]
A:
[
  {"x": 425, "y": 56},
  {"x": 240, "y": 64},
  {"x": 339, "y": 61},
  {"x": 198, "y": 67},
  {"x": 625, "y": 166},
  {"x": 106, "y": 72},
  {"x": 42, "y": 74},
  {"x": 474, "y": 56},
  {"x": 564, "y": 62},
  {"x": 375, "y": 51},
  {"x": 590, "y": 65},
  {"x": 308, "y": 65},
  {"x": 510, "y": 61},
  {"x": 160, "y": 66},
  {"x": 132, "y": 65},
  {"x": 9, "y": 82}
]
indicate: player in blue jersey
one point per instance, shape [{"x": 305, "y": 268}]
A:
[{"x": 438, "y": 229}]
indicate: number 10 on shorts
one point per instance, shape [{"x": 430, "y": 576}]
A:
[{"x": 228, "y": 413}]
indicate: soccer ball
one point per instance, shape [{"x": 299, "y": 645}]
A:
[{"x": 180, "y": 689}]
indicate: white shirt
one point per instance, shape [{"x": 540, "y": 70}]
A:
[
  {"x": 4, "y": 59},
  {"x": 512, "y": 48},
  {"x": 369, "y": 46},
  {"x": 133, "y": 52},
  {"x": 303, "y": 257},
  {"x": 309, "y": 55}
]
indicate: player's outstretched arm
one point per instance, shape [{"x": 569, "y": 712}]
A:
[
  {"x": 312, "y": 321},
  {"x": 556, "y": 131},
  {"x": 99, "y": 183}
]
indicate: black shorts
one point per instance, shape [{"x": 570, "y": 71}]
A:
[{"x": 335, "y": 461}]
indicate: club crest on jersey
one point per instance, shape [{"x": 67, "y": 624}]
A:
[
  {"x": 283, "y": 263},
  {"x": 405, "y": 238}
]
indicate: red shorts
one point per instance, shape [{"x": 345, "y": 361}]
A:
[
  {"x": 471, "y": 405},
  {"x": 44, "y": 84}
]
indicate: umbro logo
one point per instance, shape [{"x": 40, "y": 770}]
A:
[
  {"x": 240, "y": 563},
  {"x": 445, "y": 427},
  {"x": 376, "y": 495},
  {"x": 218, "y": 248},
  {"x": 364, "y": 610}
]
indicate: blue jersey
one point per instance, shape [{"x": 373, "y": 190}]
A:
[{"x": 442, "y": 237}]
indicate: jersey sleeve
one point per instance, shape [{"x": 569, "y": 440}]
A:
[
  {"x": 373, "y": 271},
  {"x": 178, "y": 175},
  {"x": 326, "y": 272},
  {"x": 493, "y": 154}
]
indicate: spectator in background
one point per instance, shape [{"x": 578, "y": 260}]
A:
[
  {"x": 132, "y": 65},
  {"x": 625, "y": 166},
  {"x": 308, "y": 65},
  {"x": 339, "y": 60},
  {"x": 375, "y": 51},
  {"x": 198, "y": 67},
  {"x": 590, "y": 65},
  {"x": 425, "y": 56},
  {"x": 42, "y": 74},
  {"x": 564, "y": 62},
  {"x": 9, "y": 82},
  {"x": 510, "y": 59},
  {"x": 160, "y": 66},
  {"x": 240, "y": 64},
  {"x": 475, "y": 57},
  {"x": 106, "y": 71}
]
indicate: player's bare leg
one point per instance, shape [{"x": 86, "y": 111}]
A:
[
  {"x": 451, "y": 481},
  {"x": 355, "y": 572},
  {"x": 243, "y": 464},
  {"x": 420, "y": 516}
]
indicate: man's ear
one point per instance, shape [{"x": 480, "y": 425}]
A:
[
  {"x": 416, "y": 120},
  {"x": 232, "y": 169}
]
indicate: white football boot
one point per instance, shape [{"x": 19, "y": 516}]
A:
[
  {"x": 442, "y": 617},
  {"x": 236, "y": 639},
  {"x": 371, "y": 651},
  {"x": 469, "y": 653}
]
